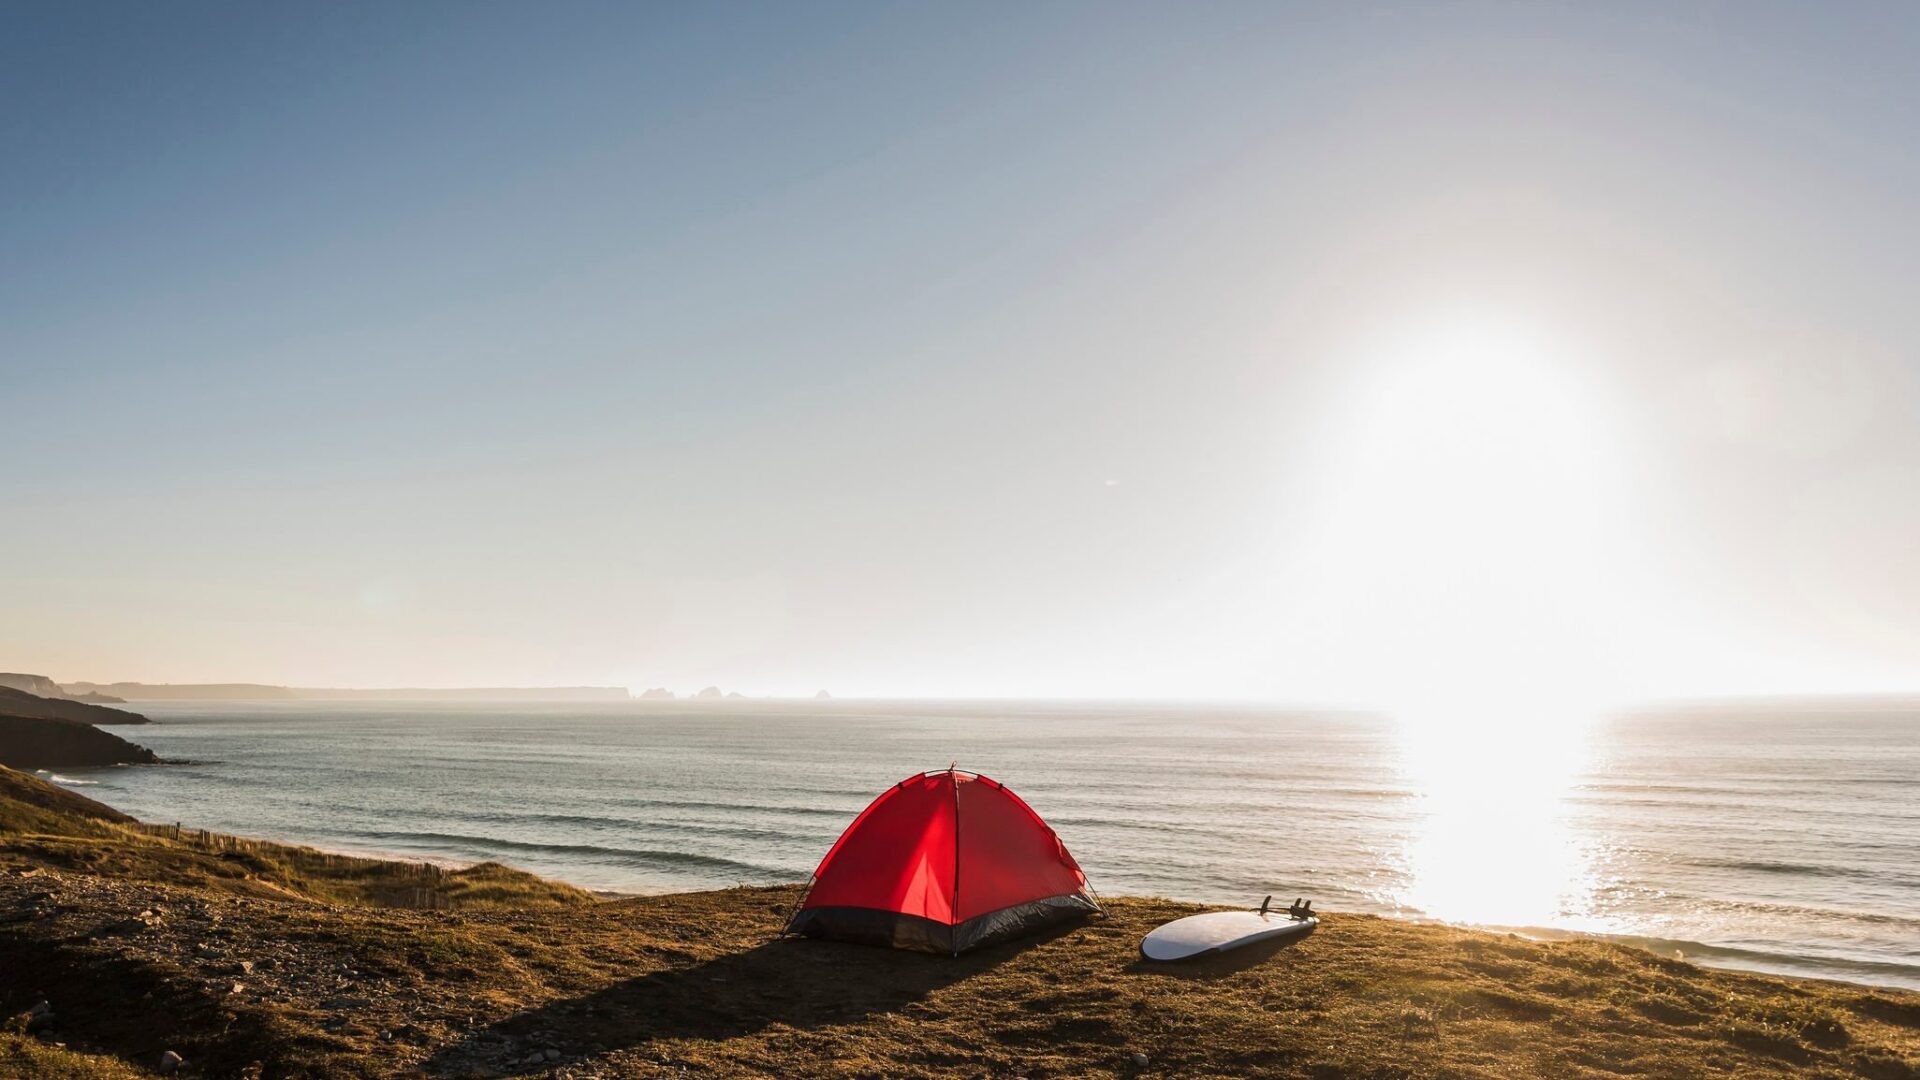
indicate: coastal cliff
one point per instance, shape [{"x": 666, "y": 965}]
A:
[
  {"x": 42, "y": 686},
  {"x": 38, "y": 743},
  {"x": 33, "y": 684},
  {"x": 15, "y": 702}
]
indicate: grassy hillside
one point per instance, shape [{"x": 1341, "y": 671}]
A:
[
  {"x": 262, "y": 961},
  {"x": 48, "y": 827},
  {"x": 29, "y": 804}
]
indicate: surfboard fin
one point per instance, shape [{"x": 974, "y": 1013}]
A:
[{"x": 1300, "y": 909}]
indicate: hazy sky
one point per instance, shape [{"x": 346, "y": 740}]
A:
[{"x": 1327, "y": 353}]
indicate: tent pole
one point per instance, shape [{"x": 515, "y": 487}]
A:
[
  {"x": 786, "y": 919},
  {"x": 953, "y": 941}
]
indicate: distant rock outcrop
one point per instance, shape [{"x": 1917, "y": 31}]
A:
[
  {"x": 658, "y": 693},
  {"x": 711, "y": 693},
  {"x": 35, "y": 743},
  {"x": 822, "y": 696},
  {"x": 735, "y": 694},
  {"x": 20, "y": 703}
]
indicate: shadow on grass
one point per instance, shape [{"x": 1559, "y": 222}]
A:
[{"x": 800, "y": 983}]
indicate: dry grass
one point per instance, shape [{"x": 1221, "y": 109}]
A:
[
  {"x": 271, "y": 871},
  {"x": 25, "y": 1058},
  {"x": 698, "y": 985},
  {"x": 29, "y": 804},
  {"x": 49, "y": 826}
]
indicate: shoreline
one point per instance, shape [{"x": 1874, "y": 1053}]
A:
[
  {"x": 1369, "y": 840},
  {"x": 1699, "y": 953},
  {"x": 1705, "y": 955},
  {"x": 244, "y": 957}
]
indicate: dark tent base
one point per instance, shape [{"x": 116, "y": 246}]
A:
[{"x": 872, "y": 926}]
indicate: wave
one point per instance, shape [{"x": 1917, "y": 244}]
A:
[
  {"x": 1748, "y": 785},
  {"x": 650, "y": 857},
  {"x": 1790, "y": 914},
  {"x": 1873, "y": 971},
  {"x": 729, "y": 807},
  {"x": 68, "y": 781},
  {"x": 1752, "y": 812},
  {"x": 1796, "y": 869},
  {"x": 1070, "y": 821},
  {"x": 843, "y": 810},
  {"x": 595, "y": 821}
]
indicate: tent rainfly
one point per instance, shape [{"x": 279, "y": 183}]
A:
[{"x": 943, "y": 862}]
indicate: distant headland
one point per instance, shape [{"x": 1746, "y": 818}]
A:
[
  {"x": 138, "y": 691},
  {"x": 134, "y": 691},
  {"x": 17, "y": 702}
]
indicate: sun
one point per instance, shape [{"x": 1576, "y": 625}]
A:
[{"x": 1465, "y": 553}]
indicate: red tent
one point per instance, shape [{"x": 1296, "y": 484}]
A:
[{"x": 943, "y": 862}]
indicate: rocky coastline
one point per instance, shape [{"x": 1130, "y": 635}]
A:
[{"x": 32, "y": 743}]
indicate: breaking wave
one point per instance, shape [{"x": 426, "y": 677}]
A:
[{"x": 639, "y": 857}]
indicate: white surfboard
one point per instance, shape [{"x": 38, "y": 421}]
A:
[{"x": 1219, "y": 931}]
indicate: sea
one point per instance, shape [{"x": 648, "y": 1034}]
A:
[{"x": 1773, "y": 838}]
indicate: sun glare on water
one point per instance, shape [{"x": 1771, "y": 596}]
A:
[
  {"x": 1470, "y": 560},
  {"x": 1492, "y": 841}
]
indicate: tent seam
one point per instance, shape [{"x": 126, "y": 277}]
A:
[{"x": 953, "y": 943}]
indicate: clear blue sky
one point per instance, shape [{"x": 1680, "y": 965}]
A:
[{"x": 917, "y": 349}]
